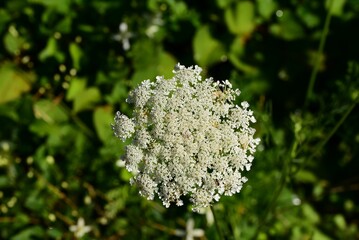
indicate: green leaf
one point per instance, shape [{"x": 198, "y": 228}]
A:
[
  {"x": 240, "y": 19},
  {"x": 13, "y": 82},
  {"x": 306, "y": 177},
  {"x": 335, "y": 6},
  {"x": 102, "y": 118},
  {"x": 288, "y": 28},
  {"x": 340, "y": 222},
  {"x": 310, "y": 214},
  {"x": 4, "y": 18},
  {"x": 166, "y": 63},
  {"x": 60, "y": 6},
  {"x": 77, "y": 85},
  {"x": 207, "y": 50},
  {"x": 13, "y": 44},
  {"x": 4, "y": 182},
  {"x": 51, "y": 51},
  {"x": 238, "y": 63},
  {"x": 266, "y": 8},
  {"x": 224, "y": 3},
  {"x": 318, "y": 235},
  {"x": 64, "y": 26},
  {"x": 310, "y": 20},
  {"x": 76, "y": 54},
  {"x": 30, "y": 233},
  {"x": 50, "y": 112},
  {"x": 86, "y": 99}
]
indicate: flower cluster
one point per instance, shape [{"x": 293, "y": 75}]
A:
[{"x": 189, "y": 138}]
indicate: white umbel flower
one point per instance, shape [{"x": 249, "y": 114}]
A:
[{"x": 189, "y": 138}]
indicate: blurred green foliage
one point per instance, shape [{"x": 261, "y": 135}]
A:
[{"x": 65, "y": 69}]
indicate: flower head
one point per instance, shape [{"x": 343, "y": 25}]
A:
[
  {"x": 80, "y": 229},
  {"x": 189, "y": 138}
]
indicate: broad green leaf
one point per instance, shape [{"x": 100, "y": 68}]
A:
[
  {"x": 224, "y": 3},
  {"x": 310, "y": 214},
  {"x": 306, "y": 177},
  {"x": 77, "y": 85},
  {"x": 266, "y": 8},
  {"x": 340, "y": 222},
  {"x": 86, "y": 99},
  {"x": 64, "y": 26},
  {"x": 4, "y": 182},
  {"x": 29, "y": 233},
  {"x": 335, "y": 6},
  {"x": 51, "y": 51},
  {"x": 102, "y": 118},
  {"x": 13, "y": 82},
  {"x": 166, "y": 63},
  {"x": 76, "y": 54},
  {"x": 318, "y": 235},
  {"x": 288, "y": 27},
  {"x": 13, "y": 44},
  {"x": 50, "y": 111},
  {"x": 207, "y": 50},
  {"x": 240, "y": 19},
  {"x": 9, "y": 112}
]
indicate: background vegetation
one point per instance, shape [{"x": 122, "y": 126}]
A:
[{"x": 66, "y": 67}]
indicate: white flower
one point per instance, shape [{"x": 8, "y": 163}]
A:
[
  {"x": 80, "y": 229},
  {"x": 189, "y": 138},
  {"x": 155, "y": 22},
  {"x": 123, "y": 36},
  {"x": 190, "y": 232}
]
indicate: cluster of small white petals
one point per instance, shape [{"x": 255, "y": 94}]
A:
[{"x": 189, "y": 138}]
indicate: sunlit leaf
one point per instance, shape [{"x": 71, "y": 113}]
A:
[
  {"x": 102, "y": 118},
  {"x": 86, "y": 99},
  {"x": 335, "y": 6},
  {"x": 50, "y": 111},
  {"x": 166, "y": 63},
  {"x": 310, "y": 214},
  {"x": 240, "y": 18},
  {"x": 306, "y": 177},
  {"x": 77, "y": 85},
  {"x": 13, "y": 44},
  {"x": 266, "y": 7},
  {"x": 224, "y": 3},
  {"x": 76, "y": 54},
  {"x": 13, "y": 82},
  {"x": 51, "y": 50},
  {"x": 207, "y": 50}
]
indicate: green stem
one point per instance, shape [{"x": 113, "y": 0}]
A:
[
  {"x": 274, "y": 200},
  {"x": 315, "y": 70},
  {"x": 219, "y": 232},
  {"x": 327, "y": 138}
]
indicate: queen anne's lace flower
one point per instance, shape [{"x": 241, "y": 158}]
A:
[{"x": 189, "y": 138}]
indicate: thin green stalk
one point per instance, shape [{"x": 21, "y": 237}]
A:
[
  {"x": 78, "y": 122},
  {"x": 219, "y": 232},
  {"x": 268, "y": 210},
  {"x": 328, "y": 137},
  {"x": 315, "y": 70}
]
